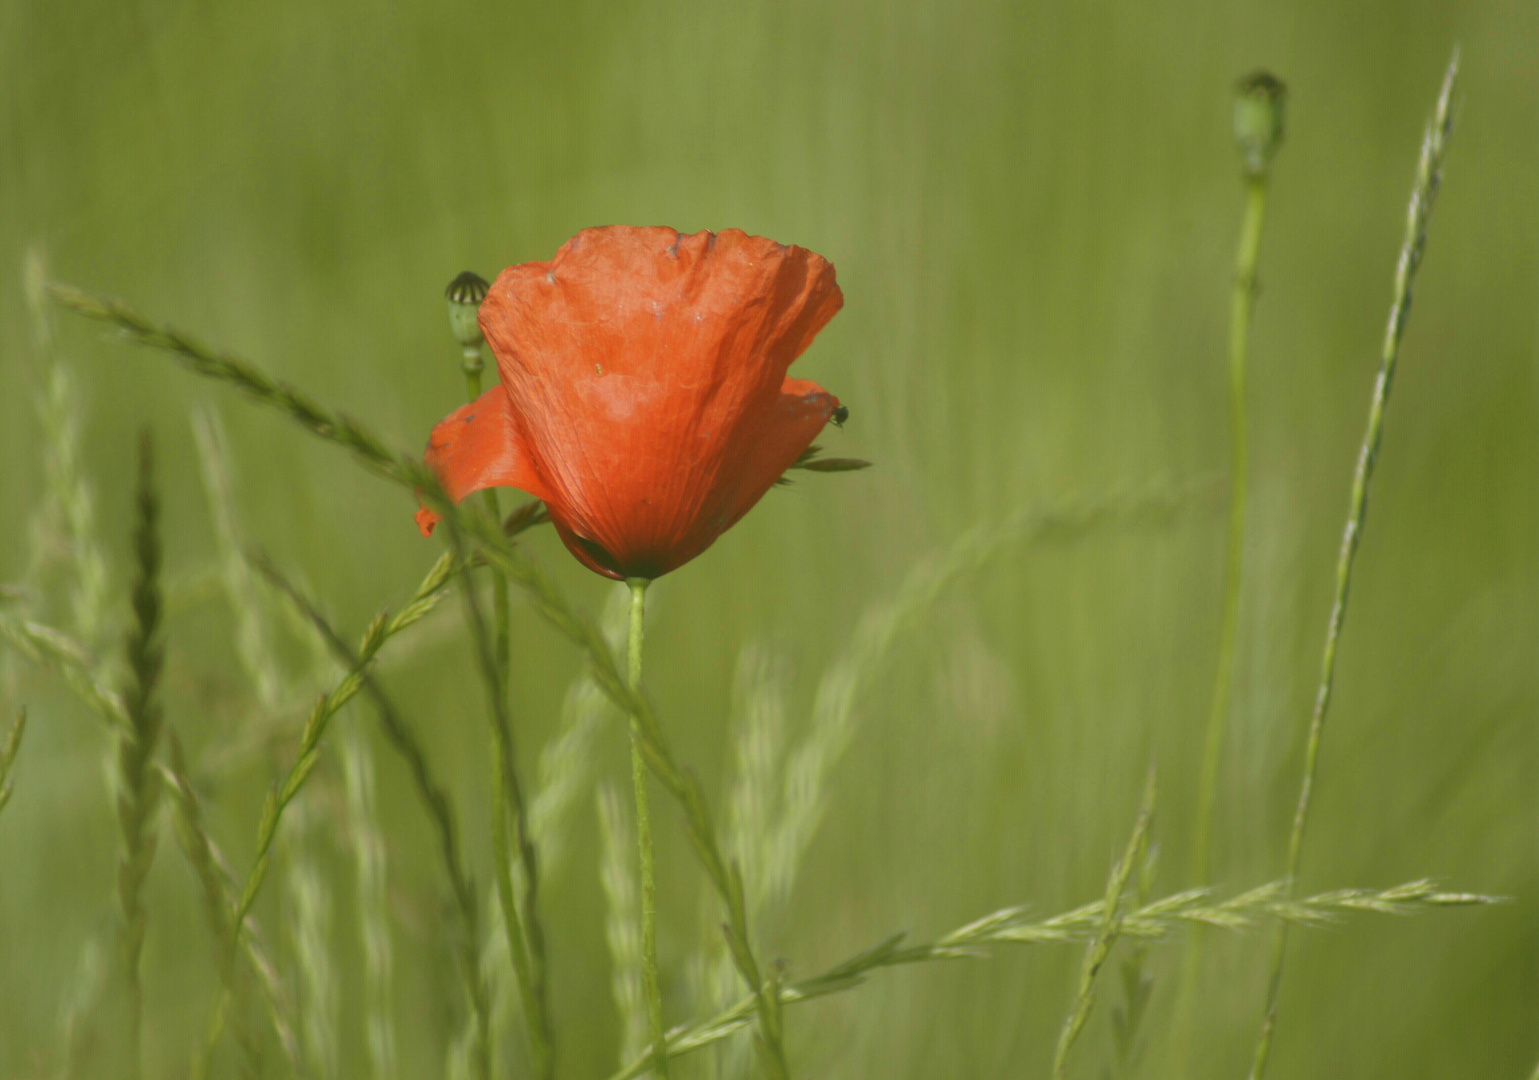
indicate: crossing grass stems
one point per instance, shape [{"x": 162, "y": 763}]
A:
[{"x": 478, "y": 538}]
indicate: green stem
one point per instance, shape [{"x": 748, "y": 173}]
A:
[
  {"x": 644, "y": 844},
  {"x": 1241, "y": 306},
  {"x": 1423, "y": 194},
  {"x": 526, "y": 943}
]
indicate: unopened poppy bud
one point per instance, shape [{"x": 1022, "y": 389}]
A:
[
  {"x": 1259, "y": 102},
  {"x": 465, "y": 294}
]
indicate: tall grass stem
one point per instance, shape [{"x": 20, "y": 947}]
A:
[
  {"x": 525, "y": 937},
  {"x": 1429, "y": 173}
]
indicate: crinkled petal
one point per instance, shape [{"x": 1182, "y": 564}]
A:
[{"x": 479, "y": 446}]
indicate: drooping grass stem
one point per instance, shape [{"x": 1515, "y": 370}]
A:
[
  {"x": 139, "y": 782},
  {"x": 1429, "y": 171},
  {"x": 654, "y": 997}
]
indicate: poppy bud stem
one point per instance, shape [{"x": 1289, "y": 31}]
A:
[
  {"x": 654, "y": 996},
  {"x": 1259, "y": 101}
]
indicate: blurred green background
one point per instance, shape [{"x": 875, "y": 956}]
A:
[{"x": 1032, "y": 209}]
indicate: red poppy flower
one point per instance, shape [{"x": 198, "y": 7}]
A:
[{"x": 644, "y": 394}]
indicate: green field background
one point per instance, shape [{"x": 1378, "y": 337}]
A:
[{"x": 1032, "y": 209}]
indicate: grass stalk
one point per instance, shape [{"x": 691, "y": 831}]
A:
[
  {"x": 526, "y": 942},
  {"x": 217, "y": 884},
  {"x": 1156, "y": 921},
  {"x": 1429, "y": 172},
  {"x": 370, "y": 889},
  {"x": 138, "y": 782},
  {"x": 622, "y": 926},
  {"x": 326, "y": 706},
  {"x": 8, "y": 754},
  {"x": 1106, "y": 935},
  {"x": 403, "y": 738},
  {"x": 644, "y": 848}
]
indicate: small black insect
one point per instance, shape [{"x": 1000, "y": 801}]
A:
[{"x": 841, "y": 414}]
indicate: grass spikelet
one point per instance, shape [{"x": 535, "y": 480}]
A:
[
  {"x": 138, "y": 782},
  {"x": 370, "y": 879},
  {"x": 65, "y": 528},
  {"x": 309, "y": 929},
  {"x": 253, "y": 635},
  {"x": 72, "y": 658},
  {"x": 565, "y": 767},
  {"x": 1429, "y": 175},
  {"x": 1155, "y": 921},
  {"x": 244, "y": 376},
  {"x": 622, "y": 929}
]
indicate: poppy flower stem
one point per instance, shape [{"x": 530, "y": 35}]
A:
[{"x": 644, "y": 851}]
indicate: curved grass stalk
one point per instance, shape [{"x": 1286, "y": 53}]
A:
[
  {"x": 1429, "y": 174},
  {"x": 1156, "y": 921}
]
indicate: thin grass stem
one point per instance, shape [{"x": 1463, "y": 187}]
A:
[
  {"x": 1429, "y": 173},
  {"x": 644, "y": 850},
  {"x": 403, "y": 738},
  {"x": 526, "y": 941},
  {"x": 218, "y": 884},
  {"x": 8, "y": 754},
  {"x": 1106, "y": 933}
]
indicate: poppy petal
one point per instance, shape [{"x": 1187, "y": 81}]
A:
[
  {"x": 479, "y": 446},
  {"x": 647, "y": 369},
  {"x": 777, "y": 439}
]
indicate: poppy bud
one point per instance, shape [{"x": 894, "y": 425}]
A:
[
  {"x": 465, "y": 294},
  {"x": 1259, "y": 103}
]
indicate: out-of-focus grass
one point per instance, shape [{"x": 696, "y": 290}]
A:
[{"x": 1032, "y": 211}]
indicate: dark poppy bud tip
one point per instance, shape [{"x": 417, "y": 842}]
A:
[
  {"x": 468, "y": 288},
  {"x": 465, "y": 294}
]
